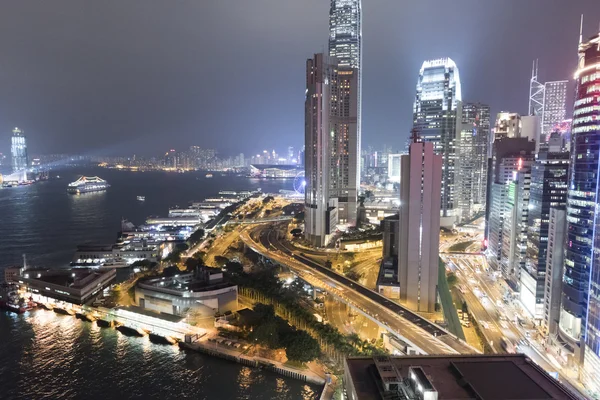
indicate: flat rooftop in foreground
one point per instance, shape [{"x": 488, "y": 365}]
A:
[{"x": 486, "y": 377}]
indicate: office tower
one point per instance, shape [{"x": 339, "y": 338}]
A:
[
  {"x": 345, "y": 43},
  {"x": 436, "y": 117},
  {"x": 579, "y": 322},
  {"x": 548, "y": 101},
  {"x": 393, "y": 167},
  {"x": 18, "y": 150},
  {"x": 548, "y": 190},
  {"x": 471, "y": 160},
  {"x": 509, "y": 155},
  {"x": 514, "y": 229},
  {"x": 554, "y": 270},
  {"x": 555, "y": 106},
  {"x": 328, "y": 102},
  {"x": 170, "y": 160},
  {"x": 419, "y": 221},
  {"x": 291, "y": 156}
]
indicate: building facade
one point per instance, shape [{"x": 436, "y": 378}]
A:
[
  {"x": 555, "y": 106},
  {"x": 579, "y": 324},
  {"x": 548, "y": 190},
  {"x": 393, "y": 167},
  {"x": 419, "y": 222},
  {"x": 471, "y": 161},
  {"x": 345, "y": 44},
  {"x": 18, "y": 150},
  {"x": 330, "y": 97},
  {"x": 554, "y": 270},
  {"x": 436, "y": 118}
]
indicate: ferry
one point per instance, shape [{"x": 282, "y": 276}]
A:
[
  {"x": 141, "y": 198},
  {"x": 209, "y": 175},
  {"x": 87, "y": 184},
  {"x": 10, "y": 300}
]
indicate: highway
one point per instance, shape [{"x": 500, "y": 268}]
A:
[{"x": 423, "y": 334}]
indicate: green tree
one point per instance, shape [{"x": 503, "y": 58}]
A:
[
  {"x": 328, "y": 264},
  {"x": 191, "y": 263},
  {"x": 234, "y": 267},
  {"x": 355, "y": 276},
  {"x": 300, "y": 346},
  {"x": 266, "y": 334},
  {"x": 200, "y": 255},
  {"x": 173, "y": 258},
  {"x": 451, "y": 279},
  {"x": 181, "y": 247},
  {"x": 221, "y": 260},
  {"x": 170, "y": 271},
  {"x": 296, "y": 231},
  {"x": 196, "y": 237},
  {"x": 465, "y": 308}
]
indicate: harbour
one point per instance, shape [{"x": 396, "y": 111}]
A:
[{"x": 78, "y": 350}]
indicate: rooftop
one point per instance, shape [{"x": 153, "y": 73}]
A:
[
  {"x": 486, "y": 377},
  {"x": 75, "y": 278},
  {"x": 163, "y": 316}
]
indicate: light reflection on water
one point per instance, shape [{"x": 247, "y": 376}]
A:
[{"x": 48, "y": 356}]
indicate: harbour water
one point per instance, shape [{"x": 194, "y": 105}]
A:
[{"x": 48, "y": 356}]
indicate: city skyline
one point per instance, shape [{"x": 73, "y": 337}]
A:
[{"x": 86, "y": 117}]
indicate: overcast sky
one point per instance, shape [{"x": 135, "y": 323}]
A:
[{"x": 143, "y": 76}]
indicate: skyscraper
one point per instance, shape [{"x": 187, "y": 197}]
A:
[
  {"x": 436, "y": 117},
  {"x": 548, "y": 190},
  {"x": 345, "y": 43},
  {"x": 330, "y": 116},
  {"x": 18, "y": 150},
  {"x": 547, "y": 101},
  {"x": 579, "y": 323},
  {"x": 471, "y": 160},
  {"x": 419, "y": 233}
]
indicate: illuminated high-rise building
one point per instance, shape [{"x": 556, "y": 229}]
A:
[
  {"x": 436, "y": 118},
  {"x": 471, "y": 161},
  {"x": 579, "y": 323},
  {"x": 330, "y": 116},
  {"x": 547, "y": 101},
  {"x": 18, "y": 150},
  {"x": 345, "y": 44}
]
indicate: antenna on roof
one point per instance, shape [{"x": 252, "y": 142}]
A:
[{"x": 581, "y": 30}]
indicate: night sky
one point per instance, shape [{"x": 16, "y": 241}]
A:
[{"x": 142, "y": 76}]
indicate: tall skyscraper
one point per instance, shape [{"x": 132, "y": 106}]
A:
[
  {"x": 548, "y": 190},
  {"x": 471, "y": 160},
  {"x": 436, "y": 117},
  {"x": 579, "y": 323},
  {"x": 419, "y": 233},
  {"x": 345, "y": 43},
  {"x": 509, "y": 154},
  {"x": 18, "y": 150},
  {"x": 330, "y": 116},
  {"x": 548, "y": 101},
  {"x": 393, "y": 167}
]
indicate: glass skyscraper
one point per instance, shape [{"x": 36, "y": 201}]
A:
[
  {"x": 436, "y": 114},
  {"x": 579, "y": 324},
  {"x": 18, "y": 151},
  {"x": 345, "y": 44}
]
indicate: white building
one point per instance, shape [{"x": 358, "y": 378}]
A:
[{"x": 394, "y": 168}]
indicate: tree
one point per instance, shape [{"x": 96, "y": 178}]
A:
[
  {"x": 300, "y": 346},
  {"x": 170, "y": 271},
  {"x": 200, "y": 255},
  {"x": 174, "y": 257},
  {"x": 196, "y": 237},
  {"x": 465, "y": 308},
  {"x": 355, "y": 276},
  {"x": 451, "y": 279},
  {"x": 296, "y": 231},
  {"x": 268, "y": 199},
  {"x": 191, "y": 263},
  {"x": 181, "y": 247},
  {"x": 234, "y": 267},
  {"x": 266, "y": 334},
  {"x": 264, "y": 312},
  {"x": 328, "y": 264},
  {"x": 221, "y": 260}
]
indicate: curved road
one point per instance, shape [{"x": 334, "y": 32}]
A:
[{"x": 423, "y": 334}]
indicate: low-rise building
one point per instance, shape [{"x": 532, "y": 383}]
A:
[
  {"x": 204, "y": 292},
  {"x": 77, "y": 285},
  {"x": 501, "y": 376}
]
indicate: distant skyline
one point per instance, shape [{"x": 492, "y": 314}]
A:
[{"x": 117, "y": 78}]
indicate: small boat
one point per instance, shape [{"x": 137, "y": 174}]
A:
[
  {"x": 209, "y": 175},
  {"x": 141, "y": 198}
]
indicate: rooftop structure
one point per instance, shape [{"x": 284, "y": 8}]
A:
[{"x": 483, "y": 377}]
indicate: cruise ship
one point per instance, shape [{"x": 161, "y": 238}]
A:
[{"x": 87, "y": 184}]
